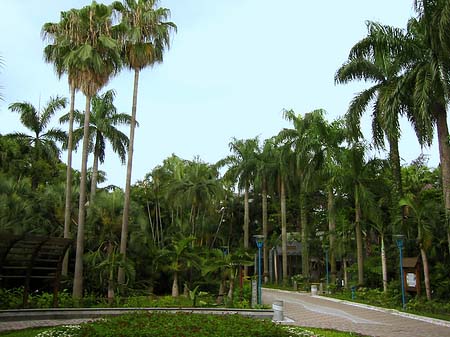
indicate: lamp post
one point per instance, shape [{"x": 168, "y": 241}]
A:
[
  {"x": 259, "y": 243},
  {"x": 399, "y": 241}
]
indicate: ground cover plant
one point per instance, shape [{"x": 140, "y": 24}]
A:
[
  {"x": 181, "y": 324},
  {"x": 392, "y": 300}
]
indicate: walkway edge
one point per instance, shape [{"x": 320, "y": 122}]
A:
[{"x": 371, "y": 307}]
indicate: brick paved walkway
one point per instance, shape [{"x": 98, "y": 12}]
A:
[{"x": 315, "y": 311}]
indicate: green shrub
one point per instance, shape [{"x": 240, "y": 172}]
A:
[{"x": 186, "y": 325}]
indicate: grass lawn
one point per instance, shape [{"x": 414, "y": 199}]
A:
[{"x": 177, "y": 325}]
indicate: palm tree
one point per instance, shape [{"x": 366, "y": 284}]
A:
[
  {"x": 421, "y": 200},
  {"x": 282, "y": 157},
  {"x": 179, "y": 257},
  {"x": 426, "y": 57},
  {"x": 103, "y": 121},
  {"x": 357, "y": 176},
  {"x": 56, "y": 52},
  {"x": 197, "y": 188},
  {"x": 305, "y": 140},
  {"x": 242, "y": 166},
  {"x": 145, "y": 36},
  {"x": 95, "y": 57},
  {"x": 331, "y": 175},
  {"x": 43, "y": 141},
  {"x": 372, "y": 59},
  {"x": 266, "y": 174}
]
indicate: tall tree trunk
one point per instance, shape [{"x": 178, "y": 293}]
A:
[
  {"x": 246, "y": 224},
  {"x": 359, "y": 240},
  {"x": 126, "y": 205},
  {"x": 175, "y": 290},
  {"x": 265, "y": 230},
  {"x": 304, "y": 234},
  {"x": 231, "y": 289},
  {"x": 444, "y": 156},
  {"x": 426, "y": 273},
  {"x": 384, "y": 264},
  {"x": 394, "y": 155},
  {"x": 68, "y": 207},
  {"x": 283, "y": 232},
  {"x": 94, "y": 177},
  {"x": 344, "y": 261},
  {"x": 332, "y": 233},
  {"x": 78, "y": 275},
  {"x": 111, "y": 275}
]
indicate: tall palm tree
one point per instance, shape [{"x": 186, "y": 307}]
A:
[
  {"x": 357, "y": 176},
  {"x": 56, "y": 52},
  {"x": 103, "y": 121},
  {"x": 95, "y": 57},
  {"x": 242, "y": 167},
  {"x": 266, "y": 170},
  {"x": 426, "y": 56},
  {"x": 305, "y": 140},
  {"x": 331, "y": 175},
  {"x": 43, "y": 141},
  {"x": 372, "y": 59},
  {"x": 145, "y": 36}
]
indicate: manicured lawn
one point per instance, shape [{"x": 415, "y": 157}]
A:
[{"x": 177, "y": 325}]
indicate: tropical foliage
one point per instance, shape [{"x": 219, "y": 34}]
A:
[{"x": 187, "y": 225}]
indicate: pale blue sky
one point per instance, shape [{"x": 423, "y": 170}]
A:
[{"x": 233, "y": 66}]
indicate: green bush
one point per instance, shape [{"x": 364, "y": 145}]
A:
[{"x": 186, "y": 325}]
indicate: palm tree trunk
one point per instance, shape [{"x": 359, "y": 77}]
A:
[
  {"x": 231, "y": 289},
  {"x": 68, "y": 207},
  {"x": 246, "y": 224},
  {"x": 94, "y": 177},
  {"x": 126, "y": 205},
  {"x": 264, "y": 223},
  {"x": 78, "y": 275},
  {"x": 332, "y": 233},
  {"x": 344, "y": 261},
  {"x": 359, "y": 241},
  {"x": 283, "y": 232},
  {"x": 444, "y": 156},
  {"x": 426, "y": 273},
  {"x": 384, "y": 264},
  {"x": 175, "y": 290},
  {"x": 111, "y": 275},
  {"x": 304, "y": 234}
]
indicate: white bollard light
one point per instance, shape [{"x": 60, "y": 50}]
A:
[{"x": 278, "y": 311}]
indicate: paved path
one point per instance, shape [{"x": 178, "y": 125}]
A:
[
  {"x": 19, "y": 325},
  {"x": 315, "y": 311}
]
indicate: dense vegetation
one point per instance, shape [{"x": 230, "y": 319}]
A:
[{"x": 189, "y": 223}]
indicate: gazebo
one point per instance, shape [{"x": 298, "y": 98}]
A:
[{"x": 29, "y": 258}]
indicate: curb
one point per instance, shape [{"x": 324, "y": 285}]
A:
[{"x": 22, "y": 315}]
